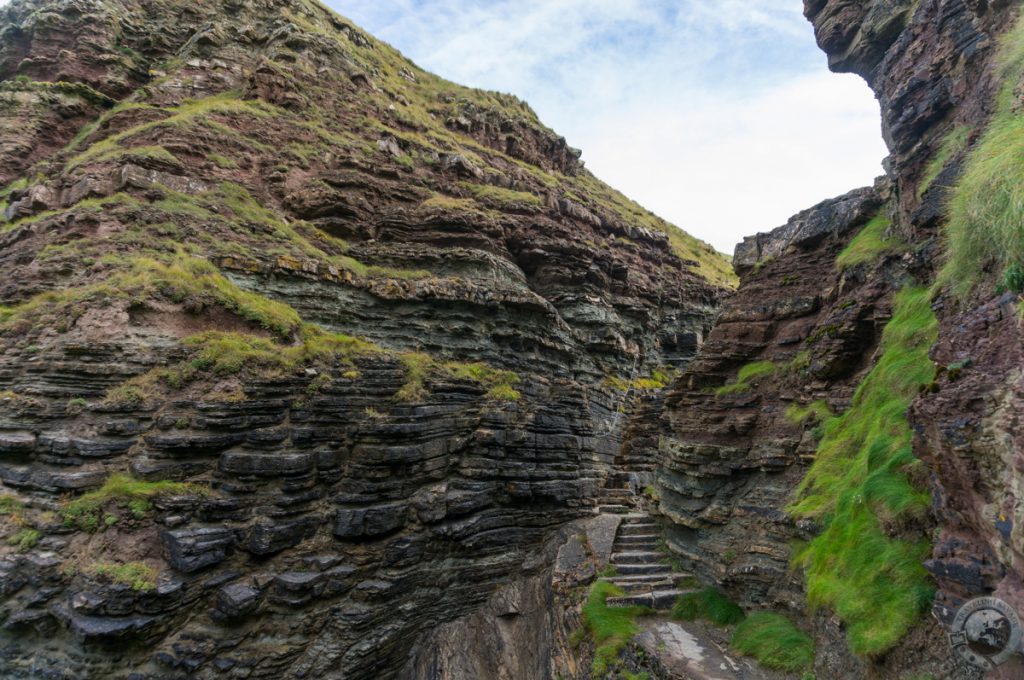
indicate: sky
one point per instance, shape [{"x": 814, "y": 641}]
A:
[{"x": 719, "y": 115}]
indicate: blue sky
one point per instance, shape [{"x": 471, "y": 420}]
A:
[{"x": 719, "y": 115}]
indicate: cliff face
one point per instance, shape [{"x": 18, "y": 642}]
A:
[
  {"x": 303, "y": 351},
  {"x": 873, "y": 326}
]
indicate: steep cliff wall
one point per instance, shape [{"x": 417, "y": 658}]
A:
[
  {"x": 787, "y": 466},
  {"x": 303, "y": 351}
]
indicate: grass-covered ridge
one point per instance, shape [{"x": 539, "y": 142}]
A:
[
  {"x": 419, "y": 104},
  {"x": 869, "y": 244},
  {"x": 859, "y": 489},
  {"x": 984, "y": 235}
]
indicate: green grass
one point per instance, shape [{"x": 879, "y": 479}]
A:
[
  {"x": 86, "y": 511},
  {"x": 659, "y": 379},
  {"x": 859, "y": 483},
  {"x": 868, "y": 245},
  {"x": 137, "y": 575},
  {"x": 610, "y": 627},
  {"x": 774, "y": 641},
  {"x": 217, "y": 353},
  {"x": 817, "y": 412},
  {"x": 182, "y": 278},
  {"x": 25, "y": 539},
  {"x": 500, "y": 384},
  {"x": 747, "y": 374},
  {"x": 9, "y": 504},
  {"x": 501, "y": 197},
  {"x": 984, "y": 235},
  {"x": 707, "y": 604},
  {"x": 954, "y": 143}
]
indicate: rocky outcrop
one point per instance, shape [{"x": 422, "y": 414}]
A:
[
  {"x": 930, "y": 64},
  {"x": 806, "y": 331},
  {"x": 304, "y": 352}
]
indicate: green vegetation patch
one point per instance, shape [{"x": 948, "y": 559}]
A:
[
  {"x": 610, "y": 627},
  {"x": 985, "y": 229},
  {"x": 707, "y": 604},
  {"x": 746, "y": 376},
  {"x": 221, "y": 354},
  {"x": 500, "y": 384},
  {"x": 25, "y": 539},
  {"x": 869, "y": 244},
  {"x": 774, "y": 641},
  {"x": 124, "y": 491},
  {"x": 817, "y": 412},
  {"x": 859, "y": 483},
  {"x": 137, "y": 575},
  {"x": 183, "y": 278},
  {"x": 659, "y": 379},
  {"x": 504, "y": 198},
  {"x": 9, "y": 504},
  {"x": 954, "y": 143}
]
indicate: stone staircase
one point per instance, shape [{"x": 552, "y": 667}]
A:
[{"x": 642, "y": 568}]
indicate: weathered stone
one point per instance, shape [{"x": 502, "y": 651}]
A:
[
  {"x": 237, "y": 600},
  {"x": 374, "y": 521},
  {"x": 192, "y": 549}
]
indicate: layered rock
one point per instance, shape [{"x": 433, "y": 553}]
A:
[
  {"x": 732, "y": 461},
  {"x": 258, "y": 185}
]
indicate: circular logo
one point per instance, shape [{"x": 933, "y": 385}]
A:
[{"x": 986, "y": 633}]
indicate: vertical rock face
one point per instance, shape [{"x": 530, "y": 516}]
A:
[
  {"x": 930, "y": 64},
  {"x": 732, "y": 462},
  {"x": 303, "y": 350},
  {"x": 938, "y": 76}
]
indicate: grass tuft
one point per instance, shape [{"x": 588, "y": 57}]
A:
[
  {"x": 815, "y": 412},
  {"x": 984, "y": 235},
  {"x": 859, "y": 482},
  {"x": 25, "y": 539},
  {"x": 611, "y": 627},
  {"x": 955, "y": 142},
  {"x": 137, "y": 575},
  {"x": 868, "y": 245},
  {"x": 746, "y": 375},
  {"x": 124, "y": 491},
  {"x": 707, "y": 604},
  {"x": 774, "y": 641}
]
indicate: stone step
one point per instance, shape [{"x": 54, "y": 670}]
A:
[
  {"x": 640, "y": 539},
  {"x": 646, "y": 546},
  {"x": 649, "y": 581},
  {"x": 626, "y": 529},
  {"x": 637, "y": 557},
  {"x": 615, "y": 509},
  {"x": 616, "y": 493},
  {"x": 659, "y": 599},
  {"x": 643, "y": 568},
  {"x": 633, "y": 587}
]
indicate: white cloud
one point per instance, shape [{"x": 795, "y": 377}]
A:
[{"x": 720, "y": 115}]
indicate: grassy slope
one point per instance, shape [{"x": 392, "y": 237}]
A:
[
  {"x": 985, "y": 231},
  {"x": 421, "y": 105},
  {"x": 859, "y": 490}
]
